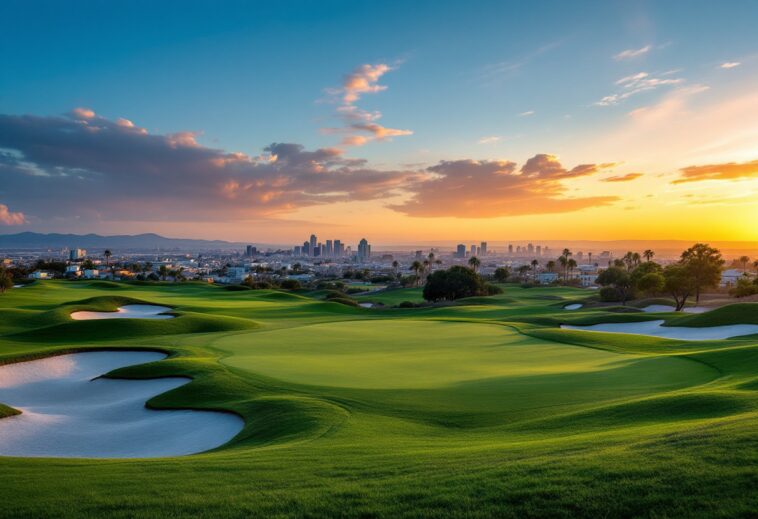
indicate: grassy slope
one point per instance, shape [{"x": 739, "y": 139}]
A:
[{"x": 406, "y": 412}]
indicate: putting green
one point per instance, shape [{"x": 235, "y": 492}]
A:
[{"x": 472, "y": 366}]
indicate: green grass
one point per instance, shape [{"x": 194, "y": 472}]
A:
[{"x": 480, "y": 409}]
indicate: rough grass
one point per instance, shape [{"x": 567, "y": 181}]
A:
[{"x": 481, "y": 409}]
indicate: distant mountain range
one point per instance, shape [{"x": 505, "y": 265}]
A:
[{"x": 137, "y": 242}]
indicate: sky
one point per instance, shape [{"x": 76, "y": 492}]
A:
[{"x": 398, "y": 121}]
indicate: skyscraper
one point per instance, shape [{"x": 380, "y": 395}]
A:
[
  {"x": 473, "y": 250},
  {"x": 539, "y": 250},
  {"x": 313, "y": 244},
  {"x": 510, "y": 250},
  {"x": 328, "y": 249},
  {"x": 306, "y": 248},
  {"x": 460, "y": 251},
  {"x": 339, "y": 249},
  {"x": 483, "y": 248},
  {"x": 530, "y": 249},
  {"x": 364, "y": 251}
]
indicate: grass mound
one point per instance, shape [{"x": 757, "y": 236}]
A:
[
  {"x": 6, "y": 411},
  {"x": 739, "y": 313}
]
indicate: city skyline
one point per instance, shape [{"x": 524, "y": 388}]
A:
[{"x": 562, "y": 127}]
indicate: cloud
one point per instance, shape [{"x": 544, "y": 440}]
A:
[
  {"x": 632, "y": 53},
  {"x": 88, "y": 166},
  {"x": 636, "y": 84},
  {"x": 622, "y": 178},
  {"x": 727, "y": 171},
  {"x": 486, "y": 189},
  {"x": 360, "y": 126},
  {"x": 730, "y": 64},
  {"x": 527, "y": 113},
  {"x": 492, "y": 139},
  {"x": 7, "y": 217}
]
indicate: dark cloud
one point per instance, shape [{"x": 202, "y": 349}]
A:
[
  {"x": 484, "y": 189},
  {"x": 86, "y": 165},
  {"x": 727, "y": 171}
]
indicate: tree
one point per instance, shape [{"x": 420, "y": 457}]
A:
[
  {"x": 703, "y": 263},
  {"x": 163, "y": 272},
  {"x": 651, "y": 283},
  {"x": 107, "y": 255},
  {"x": 474, "y": 263},
  {"x": 744, "y": 260},
  {"x": 502, "y": 274},
  {"x": 648, "y": 255},
  {"x": 535, "y": 264},
  {"x": 571, "y": 265},
  {"x": 395, "y": 267},
  {"x": 6, "y": 280},
  {"x": 619, "y": 279},
  {"x": 453, "y": 283},
  {"x": 679, "y": 283},
  {"x": 564, "y": 261},
  {"x": 522, "y": 270},
  {"x": 550, "y": 266},
  {"x": 416, "y": 268}
]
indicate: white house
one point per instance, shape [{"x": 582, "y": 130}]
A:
[
  {"x": 545, "y": 278},
  {"x": 41, "y": 274},
  {"x": 91, "y": 273},
  {"x": 729, "y": 277}
]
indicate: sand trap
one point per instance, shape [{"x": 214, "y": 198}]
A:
[
  {"x": 366, "y": 305},
  {"x": 655, "y": 329},
  {"x": 573, "y": 306},
  {"x": 67, "y": 414},
  {"x": 667, "y": 308},
  {"x": 127, "y": 312}
]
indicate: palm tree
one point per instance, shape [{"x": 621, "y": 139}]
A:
[
  {"x": 474, "y": 263},
  {"x": 163, "y": 272},
  {"x": 636, "y": 259},
  {"x": 395, "y": 266},
  {"x": 629, "y": 260},
  {"x": 565, "y": 255},
  {"x": 744, "y": 260},
  {"x": 648, "y": 254},
  {"x": 416, "y": 267},
  {"x": 564, "y": 265},
  {"x": 535, "y": 264},
  {"x": 755, "y": 264},
  {"x": 590, "y": 257},
  {"x": 107, "y": 255},
  {"x": 550, "y": 265},
  {"x": 571, "y": 264}
]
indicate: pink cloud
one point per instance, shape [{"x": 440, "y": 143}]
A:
[{"x": 7, "y": 217}]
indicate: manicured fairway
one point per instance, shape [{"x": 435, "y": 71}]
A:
[{"x": 481, "y": 409}]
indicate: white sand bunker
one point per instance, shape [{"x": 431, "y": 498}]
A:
[
  {"x": 67, "y": 414},
  {"x": 667, "y": 308},
  {"x": 573, "y": 306},
  {"x": 366, "y": 305},
  {"x": 127, "y": 312},
  {"x": 655, "y": 329}
]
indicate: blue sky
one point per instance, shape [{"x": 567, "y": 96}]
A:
[{"x": 475, "y": 80}]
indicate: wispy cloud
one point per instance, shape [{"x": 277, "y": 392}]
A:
[
  {"x": 495, "y": 72},
  {"x": 632, "y": 53},
  {"x": 8, "y": 217},
  {"x": 526, "y": 114},
  {"x": 636, "y": 84},
  {"x": 726, "y": 171},
  {"x": 622, "y": 178},
  {"x": 492, "y": 139},
  {"x": 730, "y": 64},
  {"x": 361, "y": 126}
]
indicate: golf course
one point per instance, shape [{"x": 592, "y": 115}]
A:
[{"x": 501, "y": 405}]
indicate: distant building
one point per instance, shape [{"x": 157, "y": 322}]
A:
[
  {"x": 364, "y": 251},
  {"x": 731, "y": 276},
  {"x": 510, "y": 250},
  {"x": 306, "y": 248},
  {"x": 460, "y": 251},
  {"x": 76, "y": 254},
  {"x": 251, "y": 251},
  {"x": 538, "y": 250},
  {"x": 313, "y": 243},
  {"x": 483, "y": 248},
  {"x": 545, "y": 278},
  {"x": 328, "y": 249},
  {"x": 473, "y": 249},
  {"x": 530, "y": 249},
  {"x": 41, "y": 274},
  {"x": 339, "y": 249}
]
